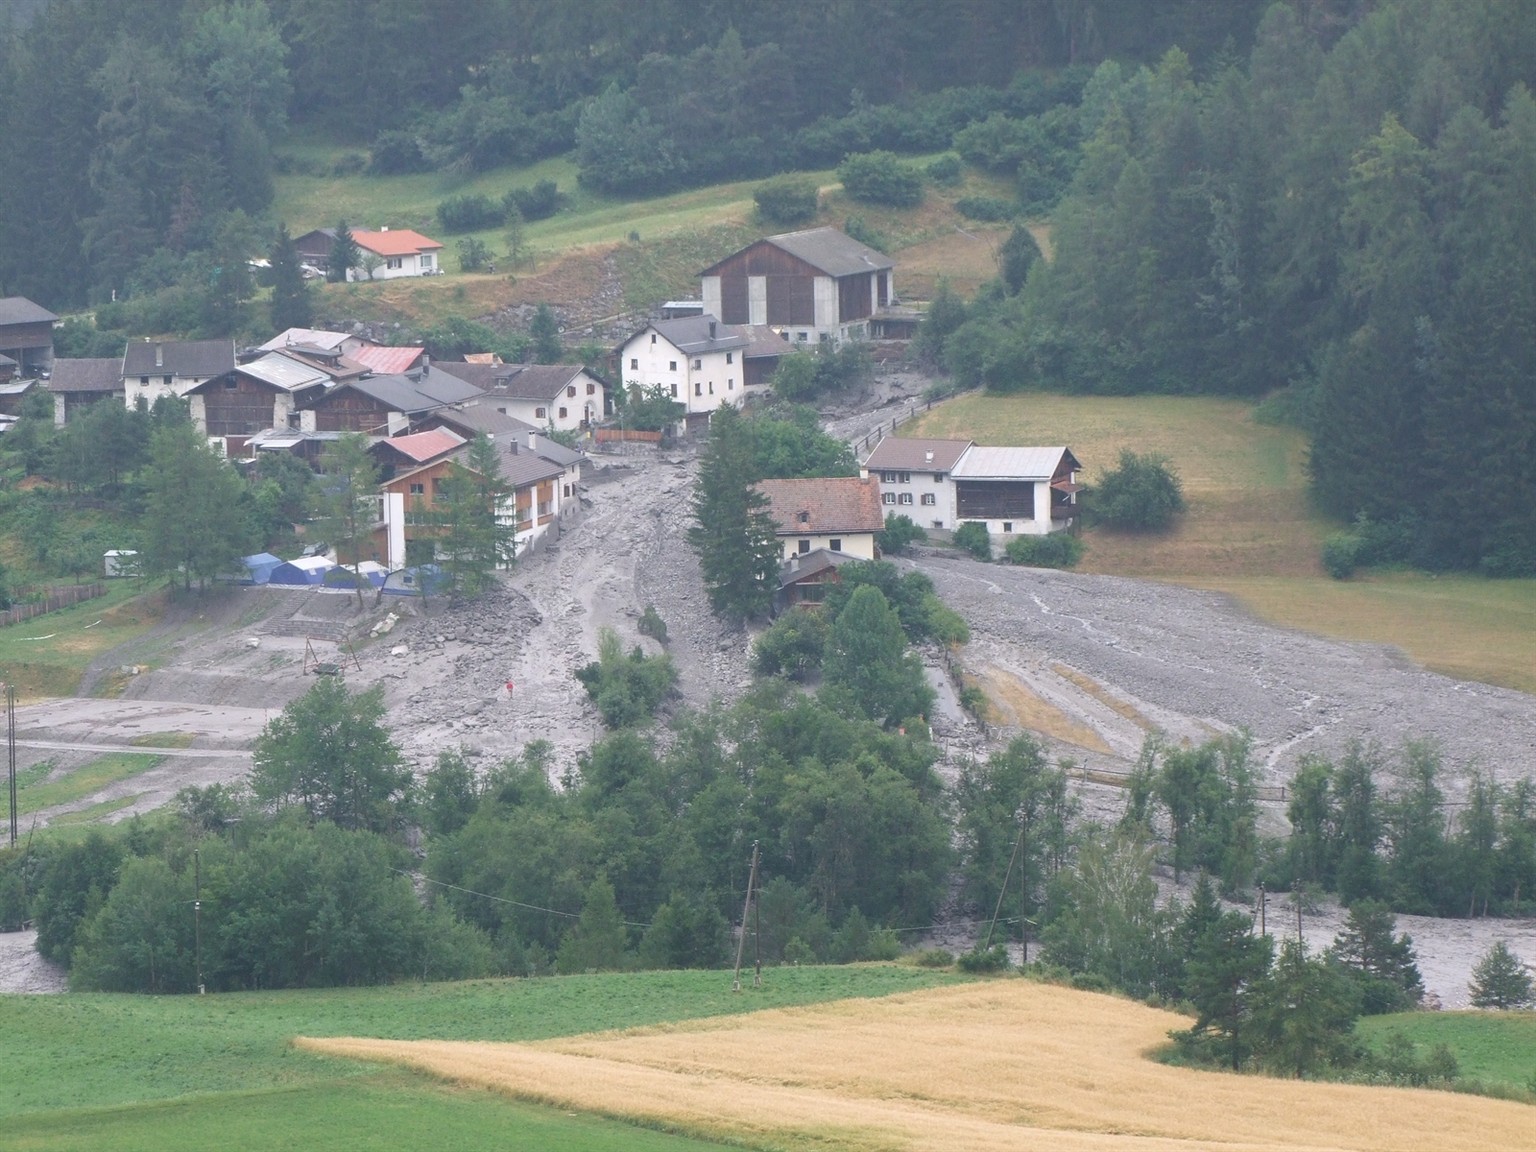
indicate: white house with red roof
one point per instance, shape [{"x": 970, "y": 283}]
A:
[{"x": 400, "y": 252}]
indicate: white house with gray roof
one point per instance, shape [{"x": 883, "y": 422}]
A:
[
  {"x": 695, "y": 360},
  {"x": 156, "y": 368},
  {"x": 565, "y": 397},
  {"x": 941, "y": 484}
]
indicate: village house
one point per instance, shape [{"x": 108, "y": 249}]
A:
[
  {"x": 392, "y": 253},
  {"x": 252, "y": 397},
  {"x": 155, "y": 368},
  {"x": 387, "y": 359},
  {"x": 808, "y": 286},
  {"x": 482, "y": 417},
  {"x": 694, "y": 360},
  {"x": 382, "y": 405},
  {"x": 76, "y": 384},
  {"x": 839, "y": 513},
  {"x": 914, "y": 478},
  {"x": 26, "y": 335},
  {"x": 941, "y": 484},
  {"x": 565, "y": 397},
  {"x": 315, "y": 340}
]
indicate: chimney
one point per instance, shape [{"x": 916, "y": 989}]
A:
[
  {"x": 385, "y": 228},
  {"x": 711, "y": 329},
  {"x": 928, "y": 457},
  {"x": 863, "y": 472},
  {"x": 426, "y": 370},
  {"x": 533, "y": 440},
  {"x": 159, "y": 355}
]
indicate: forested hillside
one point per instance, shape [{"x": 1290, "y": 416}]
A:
[
  {"x": 140, "y": 138},
  {"x": 1347, "y": 223}
]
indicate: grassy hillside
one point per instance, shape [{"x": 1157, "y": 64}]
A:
[
  {"x": 129, "y": 1072},
  {"x": 47, "y": 656},
  {"x": 1496, "y": 1047},
  {"x": 1251, "y": 531},
  {"x": 657, "y": 245}
]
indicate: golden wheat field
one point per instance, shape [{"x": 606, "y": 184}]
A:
[{"x": 1003, "y": 1066}]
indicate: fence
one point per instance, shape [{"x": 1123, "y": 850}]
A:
[
  {"x": 57, "y": 598},
  {"x": 607, "y": 435},
  {"x": 881, "y": 431}
]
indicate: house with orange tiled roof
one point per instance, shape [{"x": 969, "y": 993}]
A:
[
  {"x": 838, "y": 513},
  {"x": 399, "y": 252}
]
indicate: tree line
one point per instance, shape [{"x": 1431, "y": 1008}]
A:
[{"x": 1336, "y": 224}]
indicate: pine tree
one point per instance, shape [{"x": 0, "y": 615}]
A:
[
  {"x": 350, "y": 486},
  {"x": 732, "y": 533},
  {"x": 345, "y": 255},
  {"x": 1501, "y": 980},
  {"x": 1223, "y": 976},
  {"x": 291, "y": 306},
  {"x": 1303, "y": 1013},
  {"x": 475, "y": 537},
  {"x": 866, "y": 667},
  {"x": 545, "y": 330},
  {"x": 597, "y": 942},
  {"x": 1382, "y": 963}
]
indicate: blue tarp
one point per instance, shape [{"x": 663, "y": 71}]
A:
[
  {"x": 258, "y": 568},
  {"x": 305, "y": 572},
  {"x": 370, "y": 574}
]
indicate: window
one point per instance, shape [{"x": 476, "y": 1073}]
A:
[
  {"x": 671, "y": 365},
  {"x": 426, "y": 259},
  {"x": 698, "y": 365},
  {"x": 929, "y": 498},
  {"x": 906, "y": 477},
  {"x": 802, "y": 337},
  {"x": 730, "y": 357},
  {"x": 938, "y": 477},
  {"x": 805, "y": 546},
  {"x": 653, "y": 338},
  {"x": 906, "y": 498},
  {"x": 698, "y": 389},
  {"x": 836, "y": 545},
  {"x": 144, "y": 380},
  {"x": 395, "y": 262},
  {"x": 674, "y": 391},
  {"x": 541, "y": 413},
  {"x": 166, "y": 379},
  {"x": 730, "y": 385},
  {"x": 418, "y": 488},
  {"x": 803, "y": 517},
  {"x": 231, "y": 383},
  {"x": 1007, "y": 525},
  {"x": 562, "y": 413},
  {"x": 711, "y": 387},
  {"x": 634, "y": 362},
  {"x": 888, "y": 498},
  {"x": 591, "y": 389},
  {"x": 938, "y": 523},
  {"x": 570, "y": 390}
]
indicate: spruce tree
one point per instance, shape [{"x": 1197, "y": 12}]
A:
[
  {"x": 732, "y": 533},
  {"x": 345, "y": 255},
  {"x": 291, "y": 306},
  {"x": 1501, "y": 980},
  {"x": 1383, "y": 964},
  {"x": 866, "y": 667},
  {"x": 545, "y": 330},
  {"x": 351, "y": 484}
]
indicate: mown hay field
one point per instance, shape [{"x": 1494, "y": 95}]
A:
[
  {"x": 1004, "y": 1065},
  {"x": 1250, "y": 530}
]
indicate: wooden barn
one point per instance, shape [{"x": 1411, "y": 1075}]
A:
[{"x": 807, "y": 286}]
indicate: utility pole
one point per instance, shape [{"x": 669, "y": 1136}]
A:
[
  {"x": 197, "y": 916},
  {"x": 1263, "y": 909},
  {"x": 1298, "y": 909},
  {"x": 741, "y": 941},
  {"x": 10, "y": 741},
  {"x": 998, "y": 911}
]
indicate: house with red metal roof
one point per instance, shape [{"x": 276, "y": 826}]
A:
[
  {"x": 390, "y": 253},
  {"x": 386, "y": 360}
]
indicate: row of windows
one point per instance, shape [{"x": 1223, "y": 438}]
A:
[
  {"x": 698, "y": 365},
  {"x": 834, "y": 545},
  {"x": 906, "y": 498},
  {"x": 906, "y": 478},
  {"x": 571, "y": 390}
]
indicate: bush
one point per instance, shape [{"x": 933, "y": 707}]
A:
[
  {"x": 540, "y": 202},
  {"x": 946, "y": 171},
  {"x": 933, "y": 958},
  {"x": 978, "y": 959},
  {"x": 973, "y": 537},
  {"x": 395, "y": 153},
  {"x": 881, "y": 178},
  {"x": 1143, "y": 494},
  {"x": 469, "y": 213},
  {"x": 474, "y": 254},
  {"x": 900, "y": 531},
  {"x": 1341, "y": 555},
  {"x": 652, "y": 625},
  {"x": 627, "y": 689},
  {"x": 988, "y": 208},
  {"x": 1058, "y": 550},
  {"x": 786, "y": 200},
  {"x": 793, "y": 646},
  {"x": 855, "y": 227}
]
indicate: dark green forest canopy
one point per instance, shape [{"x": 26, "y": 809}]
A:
[{"x": 135, "y": 130}]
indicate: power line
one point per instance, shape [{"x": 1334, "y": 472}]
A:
[{"x": 504, "y": 900}]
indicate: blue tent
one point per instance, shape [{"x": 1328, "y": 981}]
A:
[
  {"x": 368, "y": 574},
  {"x": 258, "y": 568},
  {"x": 305, "y": 572}
]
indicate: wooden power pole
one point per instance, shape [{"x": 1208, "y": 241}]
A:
[{"x": 741, "y": 941}]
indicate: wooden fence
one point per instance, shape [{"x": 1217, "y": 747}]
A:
[
  {"x": 608, "y": 435},
  {"x": 54, "y": 600},
  {"x": 883, "y": 429}
]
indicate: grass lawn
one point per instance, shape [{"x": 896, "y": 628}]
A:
[
  {"x": 90, "y": 1052},
  {"x": 1493, "y": 1046},
  {"x": 1250, "y": 530},
  {"x": 46, "y": 656},
  {"x": 34, "y": 793}
]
